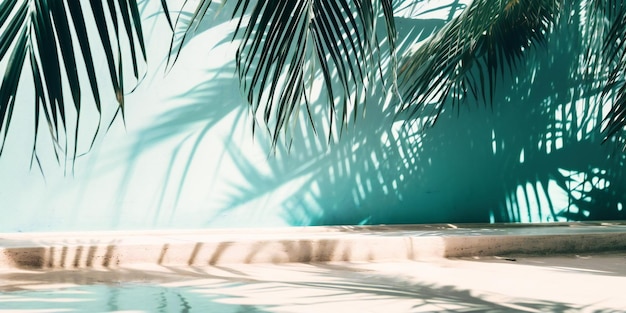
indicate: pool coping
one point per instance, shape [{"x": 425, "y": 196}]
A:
[{"x": 66, "y": 250}]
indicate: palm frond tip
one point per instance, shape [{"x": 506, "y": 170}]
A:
[
  {"x": 473, "y": 51},
  {"x": 51, "y": 37},
  {"x": 287, "y": 44}
]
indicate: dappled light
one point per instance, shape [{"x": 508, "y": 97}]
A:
[
  {"x": 508, "y": 162},
  {"x": 312, "y": 156},
  {"x": 405, "y": 287},
  {"x": 528, "y": 132}
]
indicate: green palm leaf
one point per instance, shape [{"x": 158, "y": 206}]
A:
[
  {"x": 288, "y": 44},
  {"x": 614, "y": 52},
  {"x": 51, "y": 37},
  {"x": 473, "y": 51}
]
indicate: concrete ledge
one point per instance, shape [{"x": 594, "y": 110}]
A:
[{"x": 305, "y": 244}]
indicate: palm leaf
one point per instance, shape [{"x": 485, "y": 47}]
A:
[
  {"x": 286, "y": 45},
  {"x": 468, "y": 56},
  {"x": 614, "y": 58},
  {"x": 51, "y": 37}
]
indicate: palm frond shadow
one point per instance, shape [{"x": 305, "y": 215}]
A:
[
  {"x": 565, "y": 149},
  {"x": 306, "y": 157},
  {"x": 187, "y": 125},
  {"x": 535, "y": 155},
  {"x": 433, "y": 297},
  {"x": 203, "y": 111},
  {"x": 347, "y": 182},
  {"x": 197, "y": 287}
]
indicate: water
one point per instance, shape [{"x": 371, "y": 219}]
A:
[
  {"x": 119, "y": 298},
  {"x": 564, "y": 284}
]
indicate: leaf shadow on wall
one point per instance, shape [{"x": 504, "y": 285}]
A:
[
  {"x": 186, "y": 127},
  {"x": 205, "y": 106},
  {"x": 296, "y": 169},
  {"x": 535, "y": 156}
]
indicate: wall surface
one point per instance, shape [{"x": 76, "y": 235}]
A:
[{"x": 185, "y": 156}]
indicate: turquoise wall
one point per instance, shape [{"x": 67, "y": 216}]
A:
[{"x": 186, "y": 156}]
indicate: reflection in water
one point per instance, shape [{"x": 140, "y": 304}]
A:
[
  {"x": 116, "y": 298},
  {"x": 566, "y": 284}
]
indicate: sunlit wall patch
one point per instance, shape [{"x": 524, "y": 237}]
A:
[{"x": 533, "y": 202}]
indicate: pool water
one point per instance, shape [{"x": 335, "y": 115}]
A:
[
  {"x": 119, "y": 298},
  {"x": 535, "y": 284}
]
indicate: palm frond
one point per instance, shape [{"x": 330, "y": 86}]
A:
[
  {"x": 614, "y": 53},
  {"x": 287, "y": 45},
  {"x": 51, "y": 37},
  {"x": 476, "y": 49}
]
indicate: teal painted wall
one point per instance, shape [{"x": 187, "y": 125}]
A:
[{"x": 186, "y": 157}]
